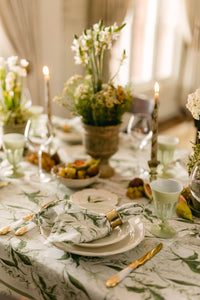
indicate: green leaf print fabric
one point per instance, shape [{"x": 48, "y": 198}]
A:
[{"x": 68, "y": 222}]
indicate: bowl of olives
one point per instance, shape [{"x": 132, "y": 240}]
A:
[{"x": 77, "y": 174}]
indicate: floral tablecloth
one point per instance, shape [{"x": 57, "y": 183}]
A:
[{"x": 36, "y": 270}]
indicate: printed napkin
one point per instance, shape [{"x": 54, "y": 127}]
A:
[{"x": 65, "y": 221}]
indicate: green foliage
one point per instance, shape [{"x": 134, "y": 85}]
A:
[{"x": 194, "y": 157}]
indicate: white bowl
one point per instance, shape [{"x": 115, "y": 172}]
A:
[{"x": 73, "y": 183}]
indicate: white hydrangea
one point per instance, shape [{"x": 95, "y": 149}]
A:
[{"x": 193, "y": 104}]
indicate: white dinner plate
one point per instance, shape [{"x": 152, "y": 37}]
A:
[
  {"x": 71, "y": 137},
  {"x": 117, "y": 235},
  {"x": 98, "y": 200},
  {"x": 131, "y": 241}
]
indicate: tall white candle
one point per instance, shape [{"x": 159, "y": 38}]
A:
[
  {"x": 47, "y": 92},
  {"x": 155, "y": 125}
]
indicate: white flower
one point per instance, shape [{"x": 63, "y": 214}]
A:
[
  {"x": 24, "y": 63},
  {"x": 12, "y": 61},
  {"x": 10, "y": 81},
  {"x": 193, "y": 104},
  {"x": 21, "y": 72},
  {"x": 73, "y": 79}
]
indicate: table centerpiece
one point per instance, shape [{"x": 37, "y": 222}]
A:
[
  {"x": 193, "y": 105},
  {"x": 100, "y": 105},
  {"x": 14, "y": 103}
]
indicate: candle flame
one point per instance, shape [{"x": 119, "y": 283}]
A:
[
  {"x": 46, "y": 71},
  {"x": 156, "y": 87}
]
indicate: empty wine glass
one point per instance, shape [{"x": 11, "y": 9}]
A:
[
  {"x": 139, "y": 129},
  {"x": 39, "y": 141},
  {"x": 166, "y": 193},
  {"x": 194, "y": 186},
  {"x": 13, "y": 144}
]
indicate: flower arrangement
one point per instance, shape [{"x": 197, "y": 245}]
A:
[
  {"x": 193, "y": 105},
  {"x": 98, "y": 103},
  {"x": 13, "y": 104}
]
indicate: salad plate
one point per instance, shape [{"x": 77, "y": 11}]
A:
[
  {"x": 118, "y": 234},
  {"x": 98, "y": 200},
  {"x": 73, "y": 134}
]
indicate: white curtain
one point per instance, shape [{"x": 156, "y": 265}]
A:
[
  {"x": 191, "y": 65},
  {"x": 110, "y": 11},
  {"x": 20, "y": 22}
]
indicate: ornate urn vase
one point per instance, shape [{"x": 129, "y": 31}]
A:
[
  {"x": 102, "y": 142},
  {"x": 15, "y": 128}
]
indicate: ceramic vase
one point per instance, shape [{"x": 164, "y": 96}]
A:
[{"x": 102, "y": 142}]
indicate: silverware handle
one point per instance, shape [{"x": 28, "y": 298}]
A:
[{"x": 113, "y": 281}]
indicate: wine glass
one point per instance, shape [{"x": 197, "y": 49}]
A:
[
  {"x": 13, "y": 144},
  {"x": 194, "y": 186},
  {"x": 139, "y": 129},
  {"x": 166, "y": 193},
  {"x": 39, "y": 140},
  {"x": 166, "y": 147}
]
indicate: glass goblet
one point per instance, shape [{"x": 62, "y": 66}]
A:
[
  {"x": 39, "y": 141},
  {"x": 166, "y": 193},
  {"x": 166, "y": 147},
  {"x": 194, "y": 186},
  {"x": 139, "y": 131},
  {"x": 13, "y": 144}
]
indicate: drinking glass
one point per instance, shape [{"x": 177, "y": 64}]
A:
[
  {"x": 166, "y": 193},
  {"x": 139, "y": 129},
  {"x": 194, "y": 186},
  {"x": 13, "y": 144},
  {"x": 36, "y": 111},
  {"x": 166, "y": 147},
  {"x": 39, "y": 140}
]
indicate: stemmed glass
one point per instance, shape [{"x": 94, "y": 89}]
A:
[
  {"x": 166, "y": 147},
  {"x": 13, "y": 144},
  {"x": 194, "y": 186},
  {"x": 39, "y": 141},
  {"x": 166, "y": 193},
  {"x": 139, "y": 131}
]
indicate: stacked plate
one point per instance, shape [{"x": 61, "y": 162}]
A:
[{"x": 123, "y": 238}]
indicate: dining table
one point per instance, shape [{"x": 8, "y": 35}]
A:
[{"x": 33, "y": 268}]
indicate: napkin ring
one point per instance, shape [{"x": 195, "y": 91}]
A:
[{"x": 114, "y": 218}]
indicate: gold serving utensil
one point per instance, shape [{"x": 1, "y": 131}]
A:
[
  {"x": 24, "y": 229},
  {"x": 4, "y": 184},
  {"x": 113, "y": 281}
]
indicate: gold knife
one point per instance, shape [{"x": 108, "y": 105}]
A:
[{"x": 113, "y": 281}]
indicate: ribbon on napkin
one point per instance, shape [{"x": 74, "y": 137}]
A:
[{"x": 65, "y": 221}]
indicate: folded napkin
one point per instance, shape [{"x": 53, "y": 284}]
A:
[{"x": 68, "y": 222}]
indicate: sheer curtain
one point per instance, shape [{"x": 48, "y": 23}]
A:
[
  {"x": 110, "y": 11},
  {"x": 20, "y": 22},
  {"x": 191, "y": 65}
]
